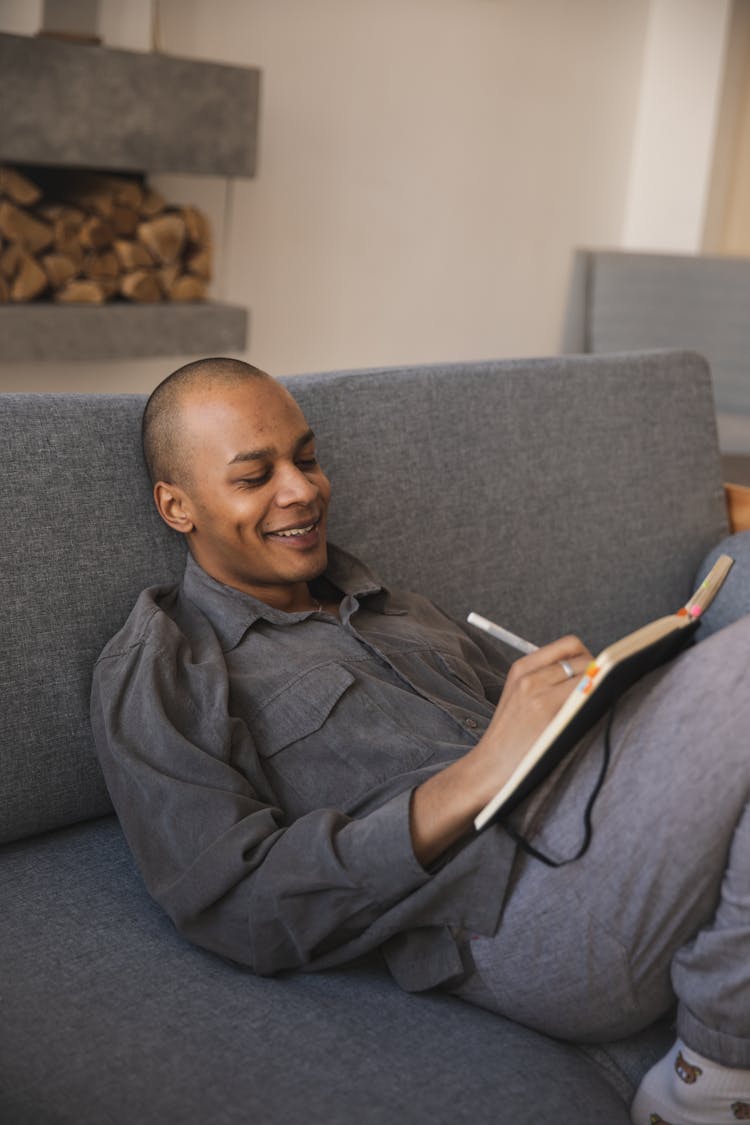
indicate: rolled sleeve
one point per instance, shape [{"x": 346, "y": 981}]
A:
[{"x": 379, "y": 850}]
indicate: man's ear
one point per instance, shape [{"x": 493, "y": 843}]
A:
[{"x": 173, "y": 506}]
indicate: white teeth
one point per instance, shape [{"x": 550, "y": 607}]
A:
[{"x": 295, "y": 531}]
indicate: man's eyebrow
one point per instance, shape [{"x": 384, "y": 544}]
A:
[{"x": 268, "y": 451}]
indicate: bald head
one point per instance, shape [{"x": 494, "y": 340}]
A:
[{"x": 165, "y": 445}]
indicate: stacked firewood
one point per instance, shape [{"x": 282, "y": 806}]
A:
[{"x": 89, "y": 237}]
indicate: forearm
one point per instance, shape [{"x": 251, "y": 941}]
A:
[{"x": 443, "y": 807}]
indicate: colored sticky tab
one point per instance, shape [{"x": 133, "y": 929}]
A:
[
  {"x": 592, "y": 669},
  {"x": 695, "y": 611},
  {"x": 682, "y": 612}
]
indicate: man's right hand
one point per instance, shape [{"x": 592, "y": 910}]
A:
[{"x": 444, "y": 807}]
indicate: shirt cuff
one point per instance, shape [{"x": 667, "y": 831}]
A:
[{"x": 379, "y": 853}]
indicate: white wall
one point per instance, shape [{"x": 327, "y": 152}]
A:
[
  {"x": 728, "y": 213},
  {"x": 678, "y": 118},
  {"x": 426, "y": 168}
]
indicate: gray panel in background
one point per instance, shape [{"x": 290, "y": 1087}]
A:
[{"x": 619, "y": 301}]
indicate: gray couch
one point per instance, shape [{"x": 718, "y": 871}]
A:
[{"x": 557, "y": 494}]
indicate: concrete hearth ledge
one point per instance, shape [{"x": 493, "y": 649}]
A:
[
  {"x": 88, "y": 106},
  {"x": 42, "y": 331}
]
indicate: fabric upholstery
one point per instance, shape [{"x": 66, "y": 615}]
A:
[
  {"x": 733, "y": 599},
  {"x": 551, "y": 495},
  {"x": 79, "y": 539},
  {"x": 109, "y": 1016}
]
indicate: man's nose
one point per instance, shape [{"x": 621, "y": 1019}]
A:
[{"x": 295, "y": 487}]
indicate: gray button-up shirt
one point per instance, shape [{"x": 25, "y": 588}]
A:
[{"x": 262, "y": 763}]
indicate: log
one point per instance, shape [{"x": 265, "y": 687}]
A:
[
  {"x": 126, "y": 191},
  {"x": 61, "y": 213},
  {"x": 19, "y": 188},
  {"x": 65, "y": 238},
  {"x": 152, "y": 204},
  {"x": 19, "y": 226},
  {"x": 82, "y": 291},
  {"x": 52, "y": 211},
  {"x": 83, "y": 38},
  {"x": 101, "y": 266},
  {"x": 10, "y": 260},
  {"x": 141, "y": 286},
  {"x": 90, "y": 203},
  {"x": 95, "y": 233},
  {"x": 110, "y": 286},
  {"x": 30, "y": 280},
  {"x": 100, "y": 193},
  {"x": 199, "y": 263},
  {"x": 132, "y": 255},
  {"x": 187, "y": 287},
  {"x": 124, "y": 220},
  {"x": 59, "y": 268},
  {"x": 167, "y": 276},
  {"x": 197, "y": 227},
  {"x": 164, "y": 237}
]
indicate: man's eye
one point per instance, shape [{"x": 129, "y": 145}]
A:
[
  {"x": 308, "y": 462},
  {"x": 253, "y": 482}
]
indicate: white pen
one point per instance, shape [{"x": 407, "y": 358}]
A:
[{"x": 494, "y": 630}]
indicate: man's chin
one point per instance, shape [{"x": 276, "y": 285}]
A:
[{"x": 319, "y": 565}]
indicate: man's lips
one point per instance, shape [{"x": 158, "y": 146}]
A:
[{"x": 297, "y": 535}]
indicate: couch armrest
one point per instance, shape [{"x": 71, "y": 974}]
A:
[{"x": 738, "y": 506}]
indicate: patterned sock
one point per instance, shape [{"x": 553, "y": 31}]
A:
[{"x": 684, "y": 1088}]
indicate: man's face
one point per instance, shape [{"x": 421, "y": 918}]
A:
[{"x": 256, "y": 497}]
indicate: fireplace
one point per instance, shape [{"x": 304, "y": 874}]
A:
[{"x": 93, "y": 262}]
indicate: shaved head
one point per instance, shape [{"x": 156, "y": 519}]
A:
[
  {"x": 236, "y": 472},
  {"x": 165, "y": 445}
]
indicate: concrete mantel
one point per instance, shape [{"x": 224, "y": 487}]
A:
[{"x": 91, "y": 106}]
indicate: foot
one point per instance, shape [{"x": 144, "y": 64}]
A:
[{"x": 684, "y": 1088}]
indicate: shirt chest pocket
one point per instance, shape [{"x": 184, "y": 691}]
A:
[{"x": 326, "y": 743}]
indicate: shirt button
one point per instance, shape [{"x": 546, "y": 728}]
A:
[{"x": 471, "y": 723}]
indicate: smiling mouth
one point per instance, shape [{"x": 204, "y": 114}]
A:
[{"x": 296, "y": 532}]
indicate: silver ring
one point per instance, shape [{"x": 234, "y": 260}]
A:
[{"x": 567, "y": 669}]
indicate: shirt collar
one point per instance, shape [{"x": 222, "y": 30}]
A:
[{"x": 232, "y": 612}]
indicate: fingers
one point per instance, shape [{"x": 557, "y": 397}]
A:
[
  {"x": 570, "y": 649},
  {"x": 536, "y": 688},
  {"x": 569, "y": 669}
]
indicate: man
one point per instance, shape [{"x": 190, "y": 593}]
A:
[{"x": 297, "y": 754}]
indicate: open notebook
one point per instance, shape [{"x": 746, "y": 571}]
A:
[{"x": 608, "y": 676}]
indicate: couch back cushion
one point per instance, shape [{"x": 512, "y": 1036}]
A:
[{"x": 577, "y": 493}]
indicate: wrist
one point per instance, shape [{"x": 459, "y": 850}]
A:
[{"x": 443, "y": 807}]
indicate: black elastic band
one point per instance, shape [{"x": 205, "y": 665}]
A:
[{"x": 524, "y": 844}]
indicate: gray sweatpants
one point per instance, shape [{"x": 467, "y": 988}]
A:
[{"x": 659, "y": 907}]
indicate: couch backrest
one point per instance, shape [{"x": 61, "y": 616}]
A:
[{"x": 557, "y": 494}]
